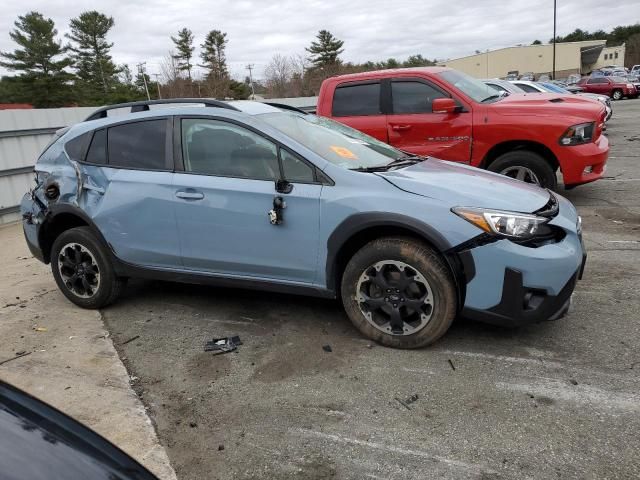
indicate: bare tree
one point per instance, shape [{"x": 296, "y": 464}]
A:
[
  {"x": 278, "y": 75},
  {"x": 174, "y": 84}
]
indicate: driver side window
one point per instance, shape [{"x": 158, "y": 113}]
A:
[
  {"x": 413, "y": 97},
  {"x": 214, "y": 147}
]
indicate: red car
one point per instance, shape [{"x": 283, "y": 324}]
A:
[
  {"x": 447, "y": 114},
  {"x": 615, "y": 87}
]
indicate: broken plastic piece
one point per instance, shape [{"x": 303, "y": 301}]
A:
[{"x": 222, "y": 345}]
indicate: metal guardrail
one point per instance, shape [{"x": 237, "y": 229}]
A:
[
  {"x": 16, "y": 171},
  {"x": 8, "y": 210},
  {"x": 29, "y": 132}
]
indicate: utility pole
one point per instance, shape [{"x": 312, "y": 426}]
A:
[
  {"x": 553, "y": 76},
  {"x": 250, "y": 68},
  {"x": 487, "y": 63},
  {"x": 157, "y": 75},
  {"x": 144, "y": 78}
]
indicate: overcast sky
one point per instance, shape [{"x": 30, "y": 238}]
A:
[{"x": 371, "y": 29}]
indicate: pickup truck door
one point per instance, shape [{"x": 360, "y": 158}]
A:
[
  {"x": 413, "y": 126},
  {"x": 357, "y": 104}
]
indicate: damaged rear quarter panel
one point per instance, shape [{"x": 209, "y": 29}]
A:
[{"x": 131, "y": 208}]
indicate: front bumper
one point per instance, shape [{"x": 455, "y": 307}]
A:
[
  {"x": 515, "y": 285},
  {"x": 584, "y": 163}
]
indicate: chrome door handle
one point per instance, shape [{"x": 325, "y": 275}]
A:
[{"x": 190, "y": 195}]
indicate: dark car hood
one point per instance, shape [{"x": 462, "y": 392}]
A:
[{"x": 464, "y": 186}]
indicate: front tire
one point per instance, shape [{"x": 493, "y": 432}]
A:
[
  {"x": 399, "y": 293},
  {"x": 616, "y": 95},
  {"x": 82, "y": 269},
  {"x": 526, "y": 166}
]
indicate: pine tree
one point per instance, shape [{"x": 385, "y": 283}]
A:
[
  {"x": 326, "y": 50},
  {"x": 90, "y": 47},
  {"x": 185, "y": 48},
  {"x": 215, "y": 61},
  {"x": 213, "y": 54},
  {"x": 40, "y": 60}
]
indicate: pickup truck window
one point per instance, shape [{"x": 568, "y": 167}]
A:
[
  {"x": 470, "y": 86},
  {"x": 355, "y": 100},
  {"x": 413, "y": 97},
  {"x": 337, "y": 143}
]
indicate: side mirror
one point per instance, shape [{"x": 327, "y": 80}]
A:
[
  {"x": 283, "y": 186},
  {"x": 444, "y": 105},
  {"x": 38, "y": 441}
]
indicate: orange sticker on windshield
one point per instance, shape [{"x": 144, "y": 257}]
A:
[{"x": 344, "y": 152}]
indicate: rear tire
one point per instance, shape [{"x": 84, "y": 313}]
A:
[
  {"x": 419, "y": 284},
  {"x": 82, "y": 269},
  {"x": 617, "y": 95},
  {"x": 526, "y": 166}
]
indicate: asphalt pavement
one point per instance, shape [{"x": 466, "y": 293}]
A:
[{"x": 554, "y": 400}]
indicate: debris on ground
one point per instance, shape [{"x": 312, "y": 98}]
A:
[
  {"x": 327, "y": 348},
  {"x": 130, "y": 340},
  {"x": 223, "y": 345},
  {"x": 453, "y": 367},
  {"x": 573, "y": 381},
  {"x": 193, "y": 424},
  {"x": 18, "y": 355},
  {"x": 408, "y": 401},
  {"x": 39, "y": 329},
  {"x": 220, "y": 447}
]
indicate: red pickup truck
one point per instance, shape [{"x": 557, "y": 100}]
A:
[{"x": 447, "y": 114}]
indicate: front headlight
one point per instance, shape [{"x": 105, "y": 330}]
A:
[
  {"x": 506, "y": 224},
  {"x": 578, "y": 134}
]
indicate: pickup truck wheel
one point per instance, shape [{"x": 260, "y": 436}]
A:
[
  {"x": 616, "y": 94},
  {"x": 82, "y": 269},
  {"x": 525, "y": 166},
  {"x": 399, "y": 293}
]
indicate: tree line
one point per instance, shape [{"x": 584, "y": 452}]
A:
[
  {"x": 627, "y": 34},
  {"x": 80, "y": 70}
]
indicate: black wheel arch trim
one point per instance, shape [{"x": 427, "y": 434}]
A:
[
  {"x": 55, "y": 211},
  {"x": 359, "y": 222}
]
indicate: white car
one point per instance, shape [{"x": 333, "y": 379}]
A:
[{"x": 548, "y": 87}]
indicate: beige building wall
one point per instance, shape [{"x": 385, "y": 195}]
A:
[
  {"x": 530, "y": 58},
  {"x": 611, "y": 56}
]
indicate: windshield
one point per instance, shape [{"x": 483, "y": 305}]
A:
[
  {"x": 470, "y": 86},
  {"x": 551, "y": 87},
  {"x": 333, "y": 141}
]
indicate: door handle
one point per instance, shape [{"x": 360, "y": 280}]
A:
[
  {"x": 193, "y": 195},
  {"x": 401, "y": 128}
]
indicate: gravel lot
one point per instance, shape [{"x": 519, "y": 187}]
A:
[{"x": 555, "y": 400}]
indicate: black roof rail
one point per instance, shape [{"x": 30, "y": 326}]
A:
[
  {"x": 143, "y": 105},
  {"x": 286, "y": 107}
]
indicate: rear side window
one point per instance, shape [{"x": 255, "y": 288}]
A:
[
  {"x": 591, "y": 81},
  {"x": 140, "y": 145},
  {"x": 354, "y": 100},
  {"x": 414, "y": 97},
  {"x": 98, "y": 149},
  {"x": 77, "y": 148}
]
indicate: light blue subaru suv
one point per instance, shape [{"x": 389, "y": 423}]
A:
[{"x": 262, "y": 196}]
